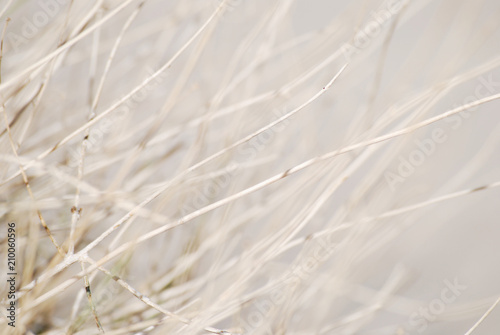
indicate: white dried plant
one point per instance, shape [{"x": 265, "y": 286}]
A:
[{"x": 251, "y": 166}]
